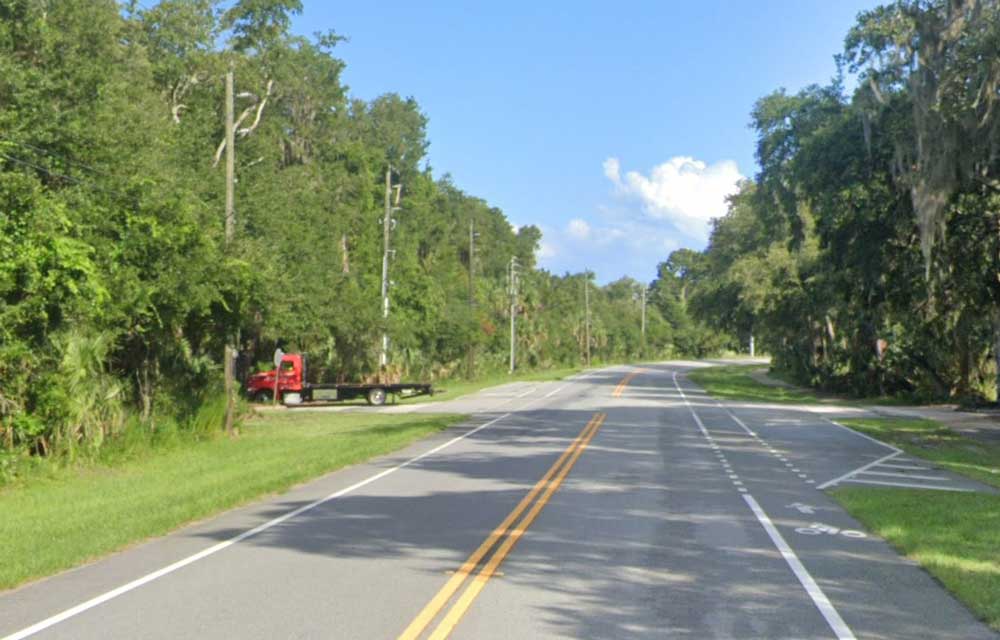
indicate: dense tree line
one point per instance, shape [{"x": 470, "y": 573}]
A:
[
  {"x": 118, "y": 290},
  {"x": 866, "y": 253}
]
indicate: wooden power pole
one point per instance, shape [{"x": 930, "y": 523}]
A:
[
  {"x": 513, "y": 312},
  {"x": 586, "y": 305},
  {"x": 230, "y": 353},
  {"x": 643, "y": 329},
  {"x": 386, "y": 227},
  {"x": 471, "y": 355}
]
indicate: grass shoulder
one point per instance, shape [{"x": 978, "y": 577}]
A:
[
  {"x": 754, "y": 383},
  {"x": 737, "y": 382},
  {"x": 954, "y": 536},
  {"x": 936, "y": 443},
  {"x": 449, "y": 389},
  {"x": 76, "y": 514}
]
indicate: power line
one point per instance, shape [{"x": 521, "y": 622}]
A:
[
  {"x": 38, "y": 168},
  {"x": 62, "y": 157},
  {"x": 55, "y": 174},
  {"x": 62, "y": 176}
]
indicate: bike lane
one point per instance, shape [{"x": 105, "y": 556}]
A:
[{"x": 867, "y": 589}]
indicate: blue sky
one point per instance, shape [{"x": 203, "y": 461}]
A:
[{"x": 617, "y": 128}]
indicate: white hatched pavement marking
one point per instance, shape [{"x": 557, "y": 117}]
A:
[
  {"x": 902, "y": 475},
  {"x": 826, "y": 608},
  {"x": 908, "y": 485}
]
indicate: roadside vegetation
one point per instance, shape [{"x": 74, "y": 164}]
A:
[
  {"x": 743, "y": 382},
  {"x": 936, "y": 443},
  {"x": 120, "y": 286},
  {"x": 84, "y": 511},
  {"x": 954, "y": 536},
  {"x": 735, "y": 382},
  {"x": 864, "y": 255},
  {"x": 451, "y": 389}
]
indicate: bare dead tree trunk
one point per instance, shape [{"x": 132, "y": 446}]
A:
[
  {"x": 345, "y": 263},
  {"x": 146, "y": 390}
]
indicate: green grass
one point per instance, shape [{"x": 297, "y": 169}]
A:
[
  {"x": 956, "y": 537},
  {"x": 65, "y": 517},
  {"x": 733, "y": 382},
  {"x": 451, "y": 389},
  {"x": 935, "y": 442}
]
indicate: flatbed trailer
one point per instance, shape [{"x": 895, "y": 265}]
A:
[{"x": 294, "y": 389}]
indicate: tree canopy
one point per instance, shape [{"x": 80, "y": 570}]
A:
[
  {"x": 865, "y": 254},
  {"x": 113, "y": 263}
]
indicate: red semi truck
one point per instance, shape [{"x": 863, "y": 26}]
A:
[{"x": 294, "y": 389}]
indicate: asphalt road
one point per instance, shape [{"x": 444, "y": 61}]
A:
[{"x": 621, "y": 504}]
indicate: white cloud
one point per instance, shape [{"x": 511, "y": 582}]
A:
[
  {"x": 578, "y": 229},
  {"x": 546, "y": 250},
  {"x": 613, "y": 169},
  {"x": 684, "y": 191}
]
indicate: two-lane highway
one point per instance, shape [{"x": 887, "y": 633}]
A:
[{"x": 623, "y": 503}]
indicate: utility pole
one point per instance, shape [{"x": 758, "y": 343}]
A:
[
  {"x": 643, "y": 330},
  {"x": 513, "y": 279},
  {"x": 387, "y": 224},
  {"x": 230, "y": 352},
  {"x": 586, "y": 304},
  {"x": 471, "y": 356}
]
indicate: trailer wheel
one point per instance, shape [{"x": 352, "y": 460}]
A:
[
  {"x": 376, "y": 396},
  {"x": 263, "y": 396}
]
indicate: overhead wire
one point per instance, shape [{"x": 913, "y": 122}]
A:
[
  {"x": 54, "y": 174},
  {"x": 62, "y": 157}
]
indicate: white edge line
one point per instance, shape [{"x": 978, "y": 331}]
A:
[
  {"x": 847, "y": 475},
  {"x": 555, "y": 391},
  {"x": 733, "y": 416},
  {"x": 697, "y": 419},
  {"x": 725, "y": 408},
  {"x": 863, "y": 435},
  {"x": 819, "y": 598},
  {"x": 907, "y": 485},
  {"x": 149, "y": 577}
]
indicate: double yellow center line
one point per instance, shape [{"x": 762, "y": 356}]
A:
[
  {"x": 624, "y": 383},
  {"x": 509, "y": 533}
]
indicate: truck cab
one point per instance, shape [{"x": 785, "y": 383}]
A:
[{"x": 260, "y": 386}]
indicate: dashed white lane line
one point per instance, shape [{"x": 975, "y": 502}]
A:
[
  {"x": 819, "y": 598},
  {"x": 826, "y": 608}
]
